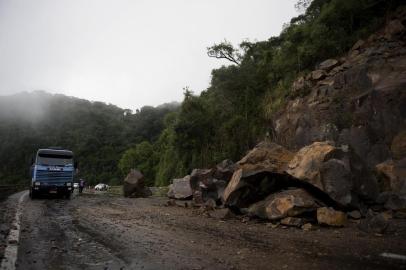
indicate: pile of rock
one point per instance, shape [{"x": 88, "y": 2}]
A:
[
  {"x": 318, "y": 183},
  {"x": 278, "y": 184},
  {"x": 346, "y": 134},
  {"x": 203, "y": 184}
]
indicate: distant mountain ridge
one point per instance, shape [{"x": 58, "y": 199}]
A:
[
  {"x": 33, "y": 105},
  {"x": 97, "y": 132}
]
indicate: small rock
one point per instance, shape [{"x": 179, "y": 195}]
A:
[
  {"x": 210, "y": 204},
  {"x": 318, "y": 74},
  {"x": 292, "y": 221},
  {"x": 273, "y": 225},
  {"x": 354, "y": 53},
  {"x": 171, "y": 202},
  {"x": 245, "y": 219},
  {"x": 307, "y": 227},
  {"x": 358, "y": 45},
  {"x": 399, "y": 214},
  {"x": 374, "y": 223},
  {"x": 328, "y": 64},
  {"x": 224, "y": 213},
  {"x": 331, "y": 217},
  {"x": 354, "y": 214},
  {"x": 13, "y": 242},
  {"x": 394, "y": 28},
  {"x": 396, "y": 202},
  {"x": 4, "y": 229},
  {"x": 387, "y": 215}
]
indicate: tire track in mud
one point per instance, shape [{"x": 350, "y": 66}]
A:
[
  {"x": 50, "y": 240},
  {"x": 100, "y": 232}
]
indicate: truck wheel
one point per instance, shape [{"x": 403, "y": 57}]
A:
[
  {"x": 67, "y": 195},
  {"x": 32, "y": 195}
]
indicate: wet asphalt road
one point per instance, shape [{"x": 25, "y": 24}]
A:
[
  {"x": 50, "y": 240},
  {"x": 93, "y": 232},
  {"x": 102, "y": 232}
]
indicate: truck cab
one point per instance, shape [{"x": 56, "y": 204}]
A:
[{"x": 52, "y": 173}]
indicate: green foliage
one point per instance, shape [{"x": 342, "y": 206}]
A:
[
  {"x": 224, "y": 121},
  {"x": 232, "y": 115},
  {"x": 141, "y": 157},
  {"x": 97, "y": 133}
]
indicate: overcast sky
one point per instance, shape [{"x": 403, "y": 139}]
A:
[{"x": 125, "y": 52}]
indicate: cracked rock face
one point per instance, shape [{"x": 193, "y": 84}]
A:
[
  {"x": 358, "y": 100},
  {"x": 335, "y": 171}
]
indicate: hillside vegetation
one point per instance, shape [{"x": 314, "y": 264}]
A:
[
  {"x": 223, "y": 121},
  {"x": 235, "y": 112},
  {"x": 97, "y": 133}
]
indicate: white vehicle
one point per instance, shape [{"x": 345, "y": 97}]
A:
[{"x": 101, "y": 187}]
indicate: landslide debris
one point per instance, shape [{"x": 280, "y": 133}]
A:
[{"x": 338, "y": 146}]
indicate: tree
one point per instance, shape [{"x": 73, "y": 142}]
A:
[{"x": 225, "y": 50}]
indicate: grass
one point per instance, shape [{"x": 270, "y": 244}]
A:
[
  {"x": 156, "y": 191},
  {"x": 116, "y": 190}
]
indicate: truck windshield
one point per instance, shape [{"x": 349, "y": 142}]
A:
[{"x": 54, "y": 160}]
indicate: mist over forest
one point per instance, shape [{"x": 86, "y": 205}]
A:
[
  {"x": 98, "y": 133},
  {"x": 222, "y": 122}
]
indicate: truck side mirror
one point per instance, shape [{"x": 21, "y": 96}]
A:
[
  {"x": 32, "y": 161},
  {"x": 76, "y": 164}
]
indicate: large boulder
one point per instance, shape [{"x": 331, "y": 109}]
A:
[
  {"x": 205, "y": 186},
  {"x": 247, "y": 187},
  {"x": 392, "y": 179},
  {"x": 134, "y": 185},
  {"x": 287, "y": 203},
  {"x": 210, "y": 183},
  {"x": 392, "y": 176},
  {"x": 180, "y": 188},
  {"x": 266, "y": 156},
  {"x": 334, "y": 170},
  {"x": 260, "y": 172}
]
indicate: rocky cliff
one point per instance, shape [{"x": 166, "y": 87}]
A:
[{"x": 357, "y": 100}]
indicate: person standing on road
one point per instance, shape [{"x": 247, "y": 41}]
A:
[{"x": 81, "y": 185}]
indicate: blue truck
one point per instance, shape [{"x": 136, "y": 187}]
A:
[{"x": 52, "y": 172}]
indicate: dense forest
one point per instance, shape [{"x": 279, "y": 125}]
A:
[
  {"x": 223, "y": 121},
  {"x": 97, "y": 133}
]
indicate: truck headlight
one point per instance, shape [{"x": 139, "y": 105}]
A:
[
  {"x": 69, "y": 184},
  {"x": 37, "y": 183}
]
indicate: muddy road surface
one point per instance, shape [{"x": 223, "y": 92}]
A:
[{"x": 105, "y": 232}]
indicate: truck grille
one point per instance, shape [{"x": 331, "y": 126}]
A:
[{"x": 54, "y": 177}]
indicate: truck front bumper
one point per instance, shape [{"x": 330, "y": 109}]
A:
[{"x": 51, "y": 189}]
